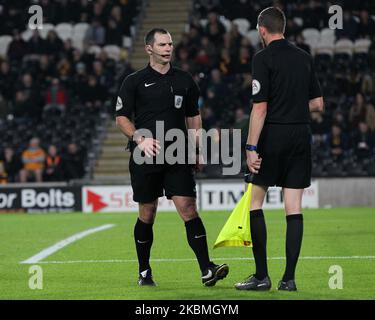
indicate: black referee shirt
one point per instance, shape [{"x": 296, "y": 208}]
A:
[
  {"x": 284, "y": 77},
  {"x": 152, "y": 96}
]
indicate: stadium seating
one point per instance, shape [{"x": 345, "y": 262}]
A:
[
  {"x": 80, "y": 123},
  {"x": 4, "y": 43},
  {"x": 339, "y": 61},
  {"x": 46, "y": 28},
  {"x": 336, "y": 57},
  {"x": 243, "y": 25}
]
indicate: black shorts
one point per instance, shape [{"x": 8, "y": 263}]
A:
[
  {"x": 285, "y": 150},
  {"x": 150, "y": 182}
]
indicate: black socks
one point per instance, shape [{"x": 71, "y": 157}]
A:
[
  {"x": 259, "y": 239},
  {"x": 143, "y": 237},
  {"x": 196, "y": 236},
  {"x": 294, "y": 233}
]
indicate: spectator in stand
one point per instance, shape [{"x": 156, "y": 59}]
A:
[
  {"x": 7, "y": 81},
  {"x": 366, "y": 25},
  {"x": 64, "y": 69},
  {"x": 368, "y": 82},
  {"x": 20, "y": 107},
  {"x": 24, "y": 108},
  {"x": 357, "y": 112},
  {"x": 292, "y": 28},
  {"x": 350, "y": 27},
  {"x": 73, "y": 163},
  {"x": 53, "y": 165},
  {"x": 80, "y": 78},
  {"x": 210, "y": 49},
  {"x": 205, "y": 6},
  {"x": 93, "y": 94},
  {"x": 203, "y": 60},
  {"x": 235, "y": 36},
  {"x": 102, "y": 76},
  {"x": 338, "y": 142},
  {"x": 31, "y": 93},
  {"x": 217, "y": 84},
  {"x": 117, "y": 16},
  {"x": 99, "y": 13},
  {"x": 183, "y": 45},
  {"x": 85, "y": 8},
  {"x": 68, "y": 49},
  {"x": 33, "y": 162},
  {"x": 50, "y": 10},
  {"x": 3, "y": 174},
  {"x": 340, "y": 120},
  {"x": 53, "y": 44},
  {"x": 56, "y": 97},
  {"x": 183, "y": 59},
  {"x": 245, "y": 94},
  {"x": 114, "y": 33},
  {"x": 12, "y": 164},
  {"x": 36, "y": 44},
  {"x": 17, "y": 48},
  {"x": 243, "y": 62},
  {"x": 241, "y": 122},
  {"x": 46, "y": 70},
  {"x": 319, "y": 127},
  {"x": 300, "y": 43},
  {"x": 370, "y": 116},
  {"x": 3, "y": 109},
  {"x": 363, "y": 141},
  {"x": 225, "y": 62},
  {"x": 208, "y": 118},
  {"x": 214, "y": 29},
  {"x": 95, "y": 34},
  {"x": 194, "y": 41}
]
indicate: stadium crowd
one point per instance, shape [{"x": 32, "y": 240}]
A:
[
  {"x": 49, "y": 78},
  {"x": 220, "y": 59}
]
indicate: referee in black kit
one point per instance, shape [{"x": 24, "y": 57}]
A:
[
  {"x": 161, "y": 92},
  {"x": 285, "y": 89}
]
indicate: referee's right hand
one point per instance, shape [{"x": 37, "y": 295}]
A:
[
  {"x": 253, "y": 161},
  {"x": 149, "y": 146}
]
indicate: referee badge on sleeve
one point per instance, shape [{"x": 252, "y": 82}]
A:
[
  {"x": 256, "y": 87},
  {"x": 178, "y": 101},
  {"x": 119, "y": 104}
]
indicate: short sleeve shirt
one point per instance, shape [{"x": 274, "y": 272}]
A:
[
  {"x": 284, "y": 77},
  {"x": 150, "y": 96}
]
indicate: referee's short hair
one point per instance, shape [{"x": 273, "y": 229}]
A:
[
  {"x": 273, "y": 19},
  {"x": 150, "y": 36}
]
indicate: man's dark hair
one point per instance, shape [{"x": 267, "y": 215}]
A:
[
  {"x": 273, "y": 19},
  {"x": 150, "y": 36}
]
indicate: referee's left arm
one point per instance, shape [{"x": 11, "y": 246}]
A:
[
  {"x": 260, "y": 88},
  {"x": 194, "y": 120}
]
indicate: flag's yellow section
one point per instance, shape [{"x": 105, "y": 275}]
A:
[{"x": 236, "y": 231}]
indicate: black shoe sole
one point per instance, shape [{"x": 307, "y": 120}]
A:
[
  {"x": 263, "y": 288},
  {"x": 220, "y": 274},
  {"x": 287, "y": 289}
]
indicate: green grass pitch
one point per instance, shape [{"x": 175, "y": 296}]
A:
[{"x": 102, "y": 265}]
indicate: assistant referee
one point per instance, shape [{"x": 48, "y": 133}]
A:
[
  {"x": 163, "y": 93},
  {"x": 285, "y": 89}
]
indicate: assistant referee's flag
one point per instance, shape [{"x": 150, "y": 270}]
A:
[{"x": 236, "y": 231}]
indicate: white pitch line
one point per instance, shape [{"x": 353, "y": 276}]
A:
[
  {"x": 224, "y": 259},
  {"x": 63, "y": 243}
]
